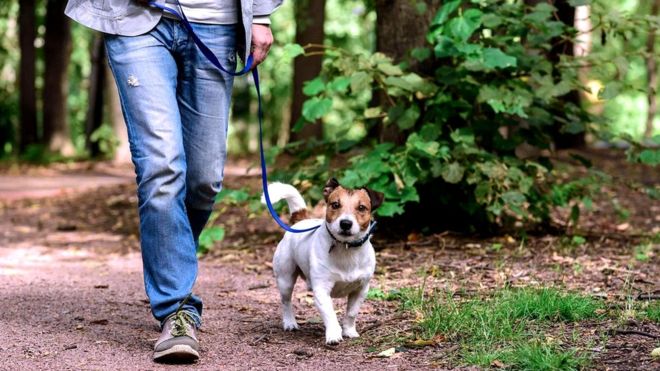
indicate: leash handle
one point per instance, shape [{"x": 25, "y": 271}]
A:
[{"x": 255, "y": 76}]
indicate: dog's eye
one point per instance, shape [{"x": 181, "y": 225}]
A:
[
  {"x": 362, "y": 208},
  {"x": 335, "y": 205}
]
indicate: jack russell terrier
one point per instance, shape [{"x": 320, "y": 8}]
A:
[{"x": 336, "y": 259}]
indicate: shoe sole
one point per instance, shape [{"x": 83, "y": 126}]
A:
[{"x": 177, "y": 354}]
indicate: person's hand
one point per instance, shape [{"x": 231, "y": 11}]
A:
[{"x": 262, "y": 39}]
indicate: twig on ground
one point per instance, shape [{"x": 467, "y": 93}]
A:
[
  {"x": 632, "y": 332},
  {"x": 648, "y": 297}
]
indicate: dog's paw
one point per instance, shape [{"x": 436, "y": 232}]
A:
[
  {"x": 351, "y": 333},
  {"x": 333, "y": 336},
  {"x": 290, "y": 326}
]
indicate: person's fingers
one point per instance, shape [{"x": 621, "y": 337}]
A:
[{"x": 262, "y": 39}]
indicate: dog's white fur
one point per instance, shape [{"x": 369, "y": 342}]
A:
[{"x": 329, "y": 272}]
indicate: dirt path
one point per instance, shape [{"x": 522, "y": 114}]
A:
[{"x": 72, "y": 294}]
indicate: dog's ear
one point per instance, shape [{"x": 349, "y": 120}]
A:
[
  {"x": 375, "y": 197},
  {"x": 329, "y": 187}
]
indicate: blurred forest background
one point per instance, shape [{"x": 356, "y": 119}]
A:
[{"x": 459, "y": 103}]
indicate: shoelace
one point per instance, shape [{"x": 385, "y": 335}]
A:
[{"x": 182, "y": 319}]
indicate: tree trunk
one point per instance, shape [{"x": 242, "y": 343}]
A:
[
  {"x": 27, "y": 89},
  {"x": 95, "y": 95},
  {"x": 400, "y": 28},
  {"x": 57, "y": 53},
  {"x": 566, "y": 14},
  {"x": 651, "y": 75},
  {"x": 310, "y": 18}
]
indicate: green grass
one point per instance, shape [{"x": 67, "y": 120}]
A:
[
  {"x": 653, "y": 312},
  {"x": 507, "y": 327}
]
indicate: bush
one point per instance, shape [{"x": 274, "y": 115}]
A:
[{"x": 459, "y": 128}]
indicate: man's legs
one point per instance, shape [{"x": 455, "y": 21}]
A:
[
  {"x": 146, "y": 71},
  {"x": 204, "y": 97}
]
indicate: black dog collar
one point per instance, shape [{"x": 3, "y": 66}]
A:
[{"x": 354, "y": 243}]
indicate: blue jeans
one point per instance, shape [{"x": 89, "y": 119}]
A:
[{"x": 176, "y": 108}]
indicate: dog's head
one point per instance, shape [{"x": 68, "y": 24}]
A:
[{"x": 348, "y": 211}]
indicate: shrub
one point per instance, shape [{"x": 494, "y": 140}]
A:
[{"x": 459, "y": 127}]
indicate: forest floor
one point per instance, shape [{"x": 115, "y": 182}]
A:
[{"x": 72, "y": 293}]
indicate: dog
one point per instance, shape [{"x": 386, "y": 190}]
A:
[{"x": 336, "y": 260}]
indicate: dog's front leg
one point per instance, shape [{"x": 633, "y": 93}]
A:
[
  {"x": 353, "y": 304},
  {"x": 324, "y": 304}
]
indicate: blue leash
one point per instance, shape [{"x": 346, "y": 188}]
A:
[{"x": 255, "y": 76}]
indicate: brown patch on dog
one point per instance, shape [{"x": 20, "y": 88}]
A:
[
  {"x": 299, "y": 215},
  {"x": 362, "y": 208},
  {"x": 349, "y": 201}
]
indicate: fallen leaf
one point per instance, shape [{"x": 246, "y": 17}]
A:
[
  {"x": 498, "y": 364},
  {"x": 414, "y": 237},
  {"x": 655, "y": 353},
  {"x": 623, "y": 226},
  {"x": 387, "y": 353}
]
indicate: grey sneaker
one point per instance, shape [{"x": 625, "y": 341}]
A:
[{"x": 177, "y": 342}]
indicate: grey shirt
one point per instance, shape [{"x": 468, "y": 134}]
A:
[{"x": 128, "y": 18}]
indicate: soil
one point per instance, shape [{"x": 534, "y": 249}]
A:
[{"x": 72, "y": 293}]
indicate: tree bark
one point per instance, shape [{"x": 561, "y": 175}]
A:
[
  {"x": 651, "y": 75},
  {"x": 95, "y": 94},
  {"x": 566, "y": 14},
  {"x": 310, "y": 19},
  {"x": 27, "y": 89},
  {"x": 57, "y": 53},
  {"x": 400, "y": 28}
]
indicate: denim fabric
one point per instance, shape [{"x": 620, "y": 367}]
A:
[{"x": 176, "y": 107}]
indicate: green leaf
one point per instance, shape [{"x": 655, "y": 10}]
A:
[
  {"x": 611, "y": 90},
  {"x": 463, "y": 27},
  {"x": 423, "y": 147},
  {"x": 209, "y": 236},
  {"x": 315, "y": 108},
  {"x": 495, "y": 58},
  {"x": 339, "y": 84},
  {"x": 409, "y": 117},
  {"x": 293, "y": 50},
  {"x": 650, "y": 157},
  {"x": 453, "y": 173},
  {"x": 575, "y": 3},
  {"x": 389, "y": 209},
  {"x": 390, "y": 69},
  {"x": 313, "y": 87},
  {"x": 421, "y": 54},
  {"x": 413, "y": 83},
  {"x": 463, "y": 135},
  {"x": 360, "y": 81},
  {"x": 445, "y": 11},
  {"x": 372, "y": 112},
  {"x": 430, "y": 131},
  {"x": 491, "y": 20}
]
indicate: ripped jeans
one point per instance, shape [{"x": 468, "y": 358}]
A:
[{"x": 176, "y": 107}]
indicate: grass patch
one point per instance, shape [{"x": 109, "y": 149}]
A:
[
  {"x": 653, "y": 312},
  {"x": 506, "y": 328}
]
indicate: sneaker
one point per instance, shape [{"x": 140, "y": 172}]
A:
[{"x": 177, "y": 342}]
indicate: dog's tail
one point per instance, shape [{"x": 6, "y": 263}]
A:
[{"x": 297, "y": 206}]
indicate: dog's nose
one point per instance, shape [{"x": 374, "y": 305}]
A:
[{"x": 345, "y": 225}]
